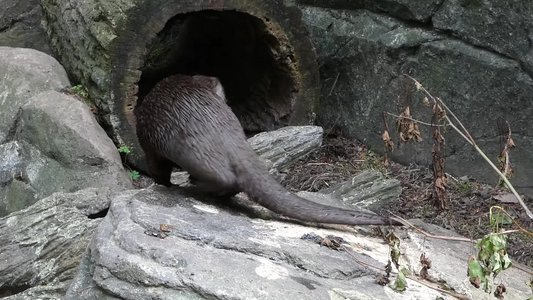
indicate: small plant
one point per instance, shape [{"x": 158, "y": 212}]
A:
[
  {"x": 400, "y": 284},
  {"x": 134, "y": 175},
  {"x": 124, "y": 150},
  {"x": 492, "y": 257},
  {"x": 80, "y": 90}
]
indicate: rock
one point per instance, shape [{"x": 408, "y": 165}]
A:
[
  {"x": 331, "y": 200},
  {"x": 21, "y": 26},
  {"x": 199, "y": 254},
  {"x": 287, "y": 144},
  {"x": 501, "y": 26},
  {"x": 363, "y": 56},
  {"x": 162, "y": 243},
  {"x": 58, "y": 146},
  {"x": 25, "y": 73},
  {"x": 15, "y": 193},
  {"x": 50, "y": 292},
  {"x": 368, "y": 189},
  {"x": 64, "y": 128},
  {"x": 40, "y": 246},
  {"x": 421, "y": 11},
  {"x": 12, "y": 162}
]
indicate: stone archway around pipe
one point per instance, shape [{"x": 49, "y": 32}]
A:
[{"x": 268, "y": 69}]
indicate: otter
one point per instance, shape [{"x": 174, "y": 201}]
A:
[{"x": 184, "y": 121}]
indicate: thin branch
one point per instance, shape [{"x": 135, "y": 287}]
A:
[
  {"x": 456, "y": 119},
  {"x": 347, "y": 250},
  {"x": 437, "y": 237},
  {"x": 521, "y": 229},
  {"x": 414, "y": 120},
  {"x": 432, "y": 286},
  {"x": 460, "y": 132}
]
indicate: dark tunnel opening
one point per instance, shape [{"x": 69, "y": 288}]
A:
[{"x": 254, "y": 63}]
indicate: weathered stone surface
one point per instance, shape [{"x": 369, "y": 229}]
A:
[
  {"x": 20, "y": 25},
  {"x": 12, "y": 162},
  {"x": 15, "y": 193},
  {"x": 363, "y": 56},
  {"x": 199, "y": 256},
  {"x": 58, "y": 146},
  {"x": 25, "y": 73},
  {"x": 368, "y": 189},
  {"x": 53, "y": 291},
  {"x": 404, "y": 9},
  {"x": 88, "y": 30},
  {"x": 503, "y": 26},
  {"x": 62, "y": 127},
  {"x": 41, "y": 246},
  {"x": 131, "y": 258},
  {"x": 286, "y": 145}
]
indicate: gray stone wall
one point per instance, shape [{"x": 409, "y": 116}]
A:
[
  {"x": 21, "y": 25},
  {"x": 475, "y": 55}
]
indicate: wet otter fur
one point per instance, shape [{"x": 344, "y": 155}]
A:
[{"x": 184, "y": 121}]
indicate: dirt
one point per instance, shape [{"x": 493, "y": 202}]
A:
[{"x": 469, "y": 202}]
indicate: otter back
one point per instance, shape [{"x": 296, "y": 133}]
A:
[{"x": 185, "y": 121}]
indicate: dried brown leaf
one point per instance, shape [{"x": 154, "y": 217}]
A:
[
  {"x": 425, "y": 101},
  {"x": 407, "y": 127},
  {"x": 426, "y": 265},
  {"x": 510, "y": 142},
  {"x": 165, "y": 227},
  {"x": 500, "y": 290},
  {"x": 438, "y": 111},
  {"x": 382, "y": 280},
  {"x": 387, "y": 141}
]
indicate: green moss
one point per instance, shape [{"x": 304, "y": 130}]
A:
[{"x": 80, "y": 90}]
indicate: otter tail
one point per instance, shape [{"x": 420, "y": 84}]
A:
[{"x": 265, "y": 190}]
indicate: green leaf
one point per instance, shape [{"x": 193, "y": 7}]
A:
[
  {"x": 80, "y": 90},
  {"x": 506, "y": 262},
  {"x": 497, "y": 219},
  {"x": 134, "y": 175},
  {"x": 400, "y": 284},
  {"x": 499, "y": 241},
  {"x": 476, "y": 274},
  {"x": 124, "y": 150}
]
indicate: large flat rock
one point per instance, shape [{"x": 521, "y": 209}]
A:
[{"x": 211, "y": 251}]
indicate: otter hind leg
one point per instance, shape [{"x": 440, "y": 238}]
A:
[
  {"x": 217, "y": 188},
  {"x": 159, "y": 168}
]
